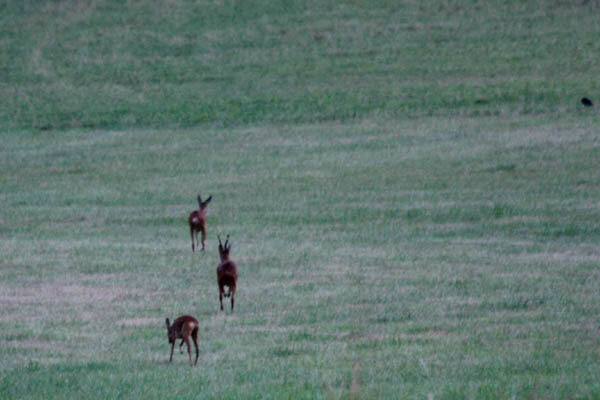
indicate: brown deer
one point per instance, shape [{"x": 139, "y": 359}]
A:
[
  {"x": 197, "y": 221},
  {"x": 182, "y": 328},
  {"x": 226, "y": 273}
]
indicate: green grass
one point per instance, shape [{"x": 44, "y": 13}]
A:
[
  {"x": 411, "y": 191},
  {"x": 103, "y": 64}
]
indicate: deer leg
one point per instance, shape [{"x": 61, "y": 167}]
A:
[
  {"x": 195, "y": 339},
  {"x": 232, "y": 294},
  {"x": 187, "y": 341},
  {"x": 192, "y": 235},
  {"x": 203, "y": 231},
  {"x": 221, "y": 296},
  {"x": 221, "y": 293},
  {"x": 180, "y": 346},
  {"x": 172, "y": 348}
]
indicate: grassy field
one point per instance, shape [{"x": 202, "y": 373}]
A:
[{"x": 412, "y": 191}]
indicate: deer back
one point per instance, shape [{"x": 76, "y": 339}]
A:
[
  {"x": 197, "y": 218},
  {"x": 227, "y": 267},
  {"x": 182, "y": 325}
]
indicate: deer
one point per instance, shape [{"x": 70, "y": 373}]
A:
[
  {"x": 182, "y": 328},
  {"x": 226, "y": 273},
  {"x": 197, "y": 221}
]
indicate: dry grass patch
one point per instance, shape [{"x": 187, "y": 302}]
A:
[
  {"x": 56, "y": 293},
  {"x": 140, "y": 321}
]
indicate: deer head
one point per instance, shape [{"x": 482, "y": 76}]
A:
[
  {"x": 170, "y": 334},
  {"x": 203, "y": 204},
  {"x": 224, "y": 248}
]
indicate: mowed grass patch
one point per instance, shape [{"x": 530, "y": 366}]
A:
[
  {"x": 411, "y": 192},
  {"x": 375, "y": 258}
]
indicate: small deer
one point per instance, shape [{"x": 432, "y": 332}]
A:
[
  {"x": 197, "y": 221},
  {"x": 226, "y": 273},
  {"x": 182, "y": 328}
]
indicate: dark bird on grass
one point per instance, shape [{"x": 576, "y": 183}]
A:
[{"x": 586, "y": 102}]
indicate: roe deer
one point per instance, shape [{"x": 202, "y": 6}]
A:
[
  {"x": 197, "y": 221},
  {"x": 226, "y": 273},
  {"x": 182, "y": 328}
]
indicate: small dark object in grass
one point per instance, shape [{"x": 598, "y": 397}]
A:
[{"x": 586, "y": 102}]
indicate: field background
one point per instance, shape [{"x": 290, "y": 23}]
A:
[{"x": 412, "y": 189}]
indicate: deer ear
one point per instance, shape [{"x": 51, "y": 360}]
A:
[
  {"x": 208, "y": 200},
  {"x": 168, "y": 324},
  {"x": 199, "y": 200},
  {"x": 226, "y": 246}
]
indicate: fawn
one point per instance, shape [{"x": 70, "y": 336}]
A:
[
  {"x": 182, "y": 328},
  {"x": 197, "y": 221},
  {"x": 226, "y": 273}
]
